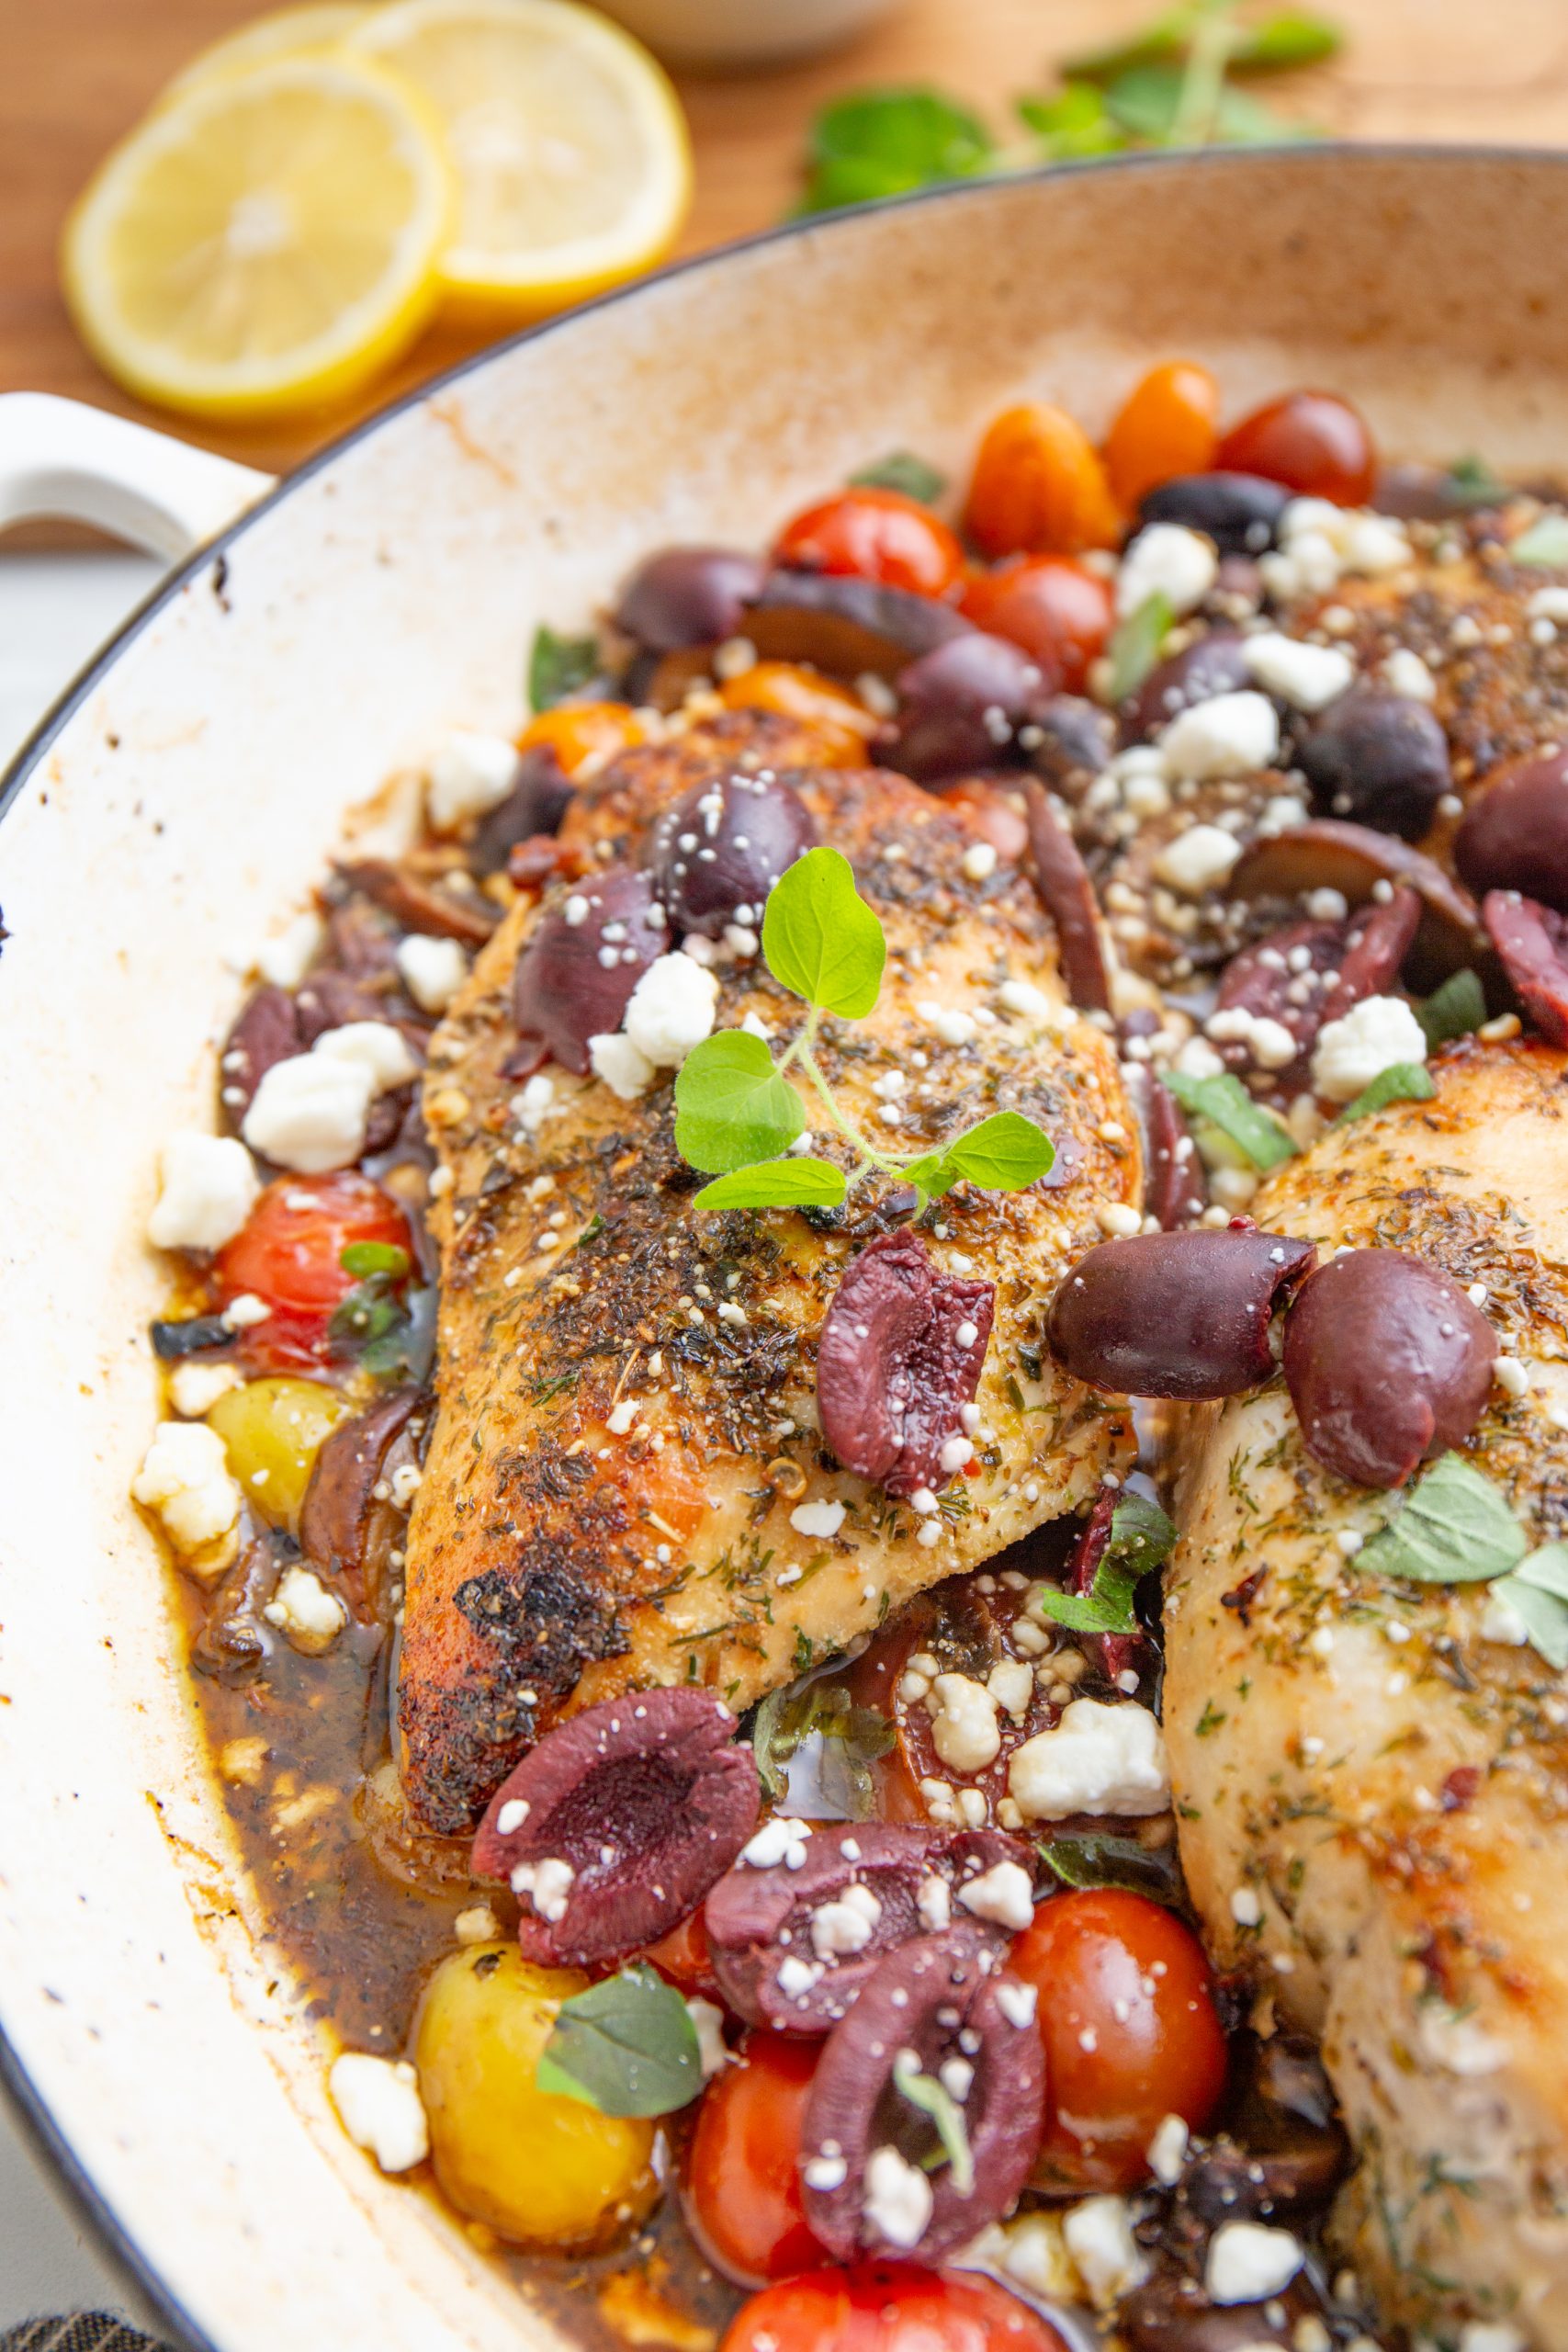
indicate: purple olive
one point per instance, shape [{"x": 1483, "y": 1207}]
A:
[
  {"x": 961, "y": 706},
  {"x": 1182, "y": 1315},
  {"x": 837, "y": 622},
  {"x": 776, "y": 1968},
  {"x": 1075, "y": 740},
  {"x": 944, "y": 2000},
  {"x": 1388, "y": 1363},
  {"x": 1308, "y": 974},
  {"x": 1378, "y": 758},
  {"x": 1175, "y": 1193},
  {"x": 688, "y": 597},
  {"x": 1216, "y": 664},
  {"x": 1067, "y": 894},
  {"x": 1532, "y": 941},
  {"x": 898, "y": 1357},
  {"x": 1239, "y": 512},
  {"x": 640, "y": 1804},
  {"x": 716, "y": 853},
  {"x": 587, "y": 953},
  {"x": 267, "y": 1031},
  {"x": 1515, "y": 837},
  {"x": 1328, "y": 855},
  {"x": 535, "y": 806}
]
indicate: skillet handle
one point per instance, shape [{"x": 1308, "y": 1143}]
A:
[{"x": 60, "y": 458}]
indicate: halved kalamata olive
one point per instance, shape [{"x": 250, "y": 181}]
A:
[
  {"x": 615, "y": 1826},
  {"x": 1307, "y": 973},
  {"x": 535, "y": 805},
  {"x": 1174, "y": 1189},
  {"x": 961, "y": 706},
  {"x": 1215, "y": 665},
  {"x": 266, "y": 1032},
  {"x": 1075, "y": 743},
  {"x": 1515, "y": 837},
  {"x": 1379, "y": 759},
  {"x": 1182, "y": 1315},
  {"x": 716, "y": 853},
  {"x": 846, "y": 626},
  {"x": 898, "y": 1357},
  {"x": 688, "y": 597},
  {"x": 792, "y": 1948},
  {"x": 1328, "y": 855},
  {"x": 940, "y": 1999},
  {"x": 1067, "y": 894},
  {"x": 1285, "y": 2117},
  {"x": 1170, "y": 2312},
  {"x": 1388, "y": 1363},
  {"x": 1532, "y": 941},
  {"x": 587, "y": 953},
  {"x": 340, "y": 1503},
  {"x": 449, "y": 909},
  {"x": 1239, "y": 512}
]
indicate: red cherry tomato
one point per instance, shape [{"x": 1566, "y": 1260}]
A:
[
  {"x": 1316, "y": 443},
  {"x": 877, "y": 534},
  {"x": 290, "y": 1254},
  {"x": 743, "y": 2197},
  {"x": 682, "y": 1955},
  {"x": 889, "y": 2307},
  {"x": 1167, "y": 425},
  {"x": 1057, "y": 610},
  {"x": 1131, "y": 2031}
]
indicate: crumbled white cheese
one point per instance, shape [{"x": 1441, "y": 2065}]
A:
[
  {"x": 1022, "y": 996},
  {"x": 309, "y": 1112},
  {"x": 1119, "y": 1219},
  {"x": 1512, "y": 1376},
  {"x": 512, "y": 1814},
  {"x": 620, "y": 1417},
  {"x": 374, "y": 1046},
  {"x": 1166, "y": 561},
  {"x": 625, "y": 1068},
  {"x": 795, "y": 1977},
  {"x": 1004, "y": 1894},
  {"x": 1309, "y": 677},
  {"x": 1247, "y": 2262},
  {"x": 379, "y": 2102},
  {"x": 826, "y": 2173},
  {"x": 708, "y": 2022},
  {"x": 671, "y": 1011},
  {"x": 1029, "y": 2252},
  {"x": 933, "y": 1900},
  {"x": 468, "y": 776},
  {"x": 1501, "y": 1622},
  {"x": 817, "y": 1519},
  {"x": 1326, "y": 905},
  {"x": 303, "y": 1608},
  {"x": 1012, "y": 1684},
  {"x": 244, "y": 1313},
  {"x": 780, "y": 1840},
  {"x": 964, "y": 1727},
  {"x": 185, "y": 1478},
  {"x": 536, "y": 1102},
  {"x": 1018, "y": 2003},
  {"x": 1406, "y": 674},
  {"x": 899, "y": 2198},
  {"x": 979, "y": 861},
  {"x": 285, "y": 959},
  {"x": 1197, "y": 860},
  {"x": 845, "y": 1924},
  {"x": 1168, "y": 2150},
  {"x": 208, "y": 1188},
  {"x": 1099, "y": 1758},
  {"x": 1229, "y": 735},
  {"x": 1491, "y": 2334},
  {"x": 195, "y": 1388},
  {"x": 548, "y": 1883},
  {"x": 1099, "y": 2234},
  {"x": 1353, "y": 1050},
  {"x": 433, "y": 970},
  {"x": 477, "y": 1925}
]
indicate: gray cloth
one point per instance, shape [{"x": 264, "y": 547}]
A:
[{"x": 79, "y": 2332}]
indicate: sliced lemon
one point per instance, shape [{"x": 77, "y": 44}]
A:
[
  {"x": 303, "y": 31},
  {"x": 573, "y": 163},
  {"x": 267, "y": 242}
]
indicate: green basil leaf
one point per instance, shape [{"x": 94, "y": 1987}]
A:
[
  {"x": 1281, "y": 44},
  {"x": 1113, "y": 1861},
  {"x": 820, "y": 938},
  {"x": 1456, "y": 1010},
  {"x": 1225, "y": 1102},
  {"x": 902, "y": 470},
  {"x": 853, "y": 1738},
  {"x": 732, "y": 1108},
  {"x": 1454, "y": 1528},
  {"x": 1003, "y": 1154},
  {"x": 1546, "y": 542},
  {"x": 882, "y": 143},
  {"x": 1546, "y": 1568},
  {"x": 1544, "y": 1612},
  {"x": 776, "y": 1185},
  {"x": 1141, "y": 1534},
  {"x": 627, "y": 2046},
  {"x": 931, "y": 1175},
  {"x": 1242, "y": 120},
  {"x": 1400, "y": 1082},
  {"x": 1106, "y": 1608},
  {"x": 1136, "y": 643},
  {"x": 558, "y": 666},
  {"x": 933, "y": 2099},
  {"x": 361, "y": 1257}
]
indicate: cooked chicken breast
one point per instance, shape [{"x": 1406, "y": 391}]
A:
[
  {"x": 1372, "y": 1787},
  {"x": 625, "y": 1487}
]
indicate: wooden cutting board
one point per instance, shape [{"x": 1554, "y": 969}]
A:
[{"x": 77, "y": 72}]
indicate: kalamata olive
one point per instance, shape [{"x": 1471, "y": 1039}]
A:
[
  {"x": 1308, "y": 974},
  {"x": 340, "y": 1501},
  {"x": 778, "y": 1967},
  {"x": 1379, "y": 759},
  {"x": 1068, "y": 895},
  {"x": 938, "y": 2000},
  {"x": 267, "y": 1031},
  {"x": 961, "y": 706},
  {"x": 1285, "y": 2117},
  {"x": 1170, "y": 2312},
  {"x": 898, "y": 1358},
  {"x": 1388, "y": 1363},
  {"x": 716, "y": 853},
  {"x": 1174, "y": 1190},
  {"x": 587, "y": 953},
  {"x": 845, "y": 625},
  {"x": 1532, "y": 941},
  {"x": 1068, "y": 741},
  {"x": 535, "y": 805},
  {"x": 1215, "y": 665},
  {"x": 1182, "y": 1315},
  {"x": 1327, "y": 855},
  {"x": 688, "y": 597},
  {"x": 1239, "y": 512},
  {"x": 450, "y": 909},
  {"x": 615, "y": 1826},
  {"x": 1515, "y": 837}
]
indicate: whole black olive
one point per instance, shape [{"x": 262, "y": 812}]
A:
[
  {"x": 1515, "y": 836},
  {"x": 1378, "y": 758},
  {"x": 1182, "y": 1315},
  {"x": 1216, "y": 664},
  {"x": 1239, "y": 512},
  {"x": 960, "y": 708},
  {"x": 688, "y": 597},
  {"x": 716, "y": 853}
]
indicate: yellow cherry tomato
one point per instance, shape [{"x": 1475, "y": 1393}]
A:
[
  {"x": 273, "y": 1430},
  {"x": 841, "y": 720},
  {"x": 579, "y": 731}
]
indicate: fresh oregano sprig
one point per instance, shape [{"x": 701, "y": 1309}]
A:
[{"x": 737, "y": 1113}]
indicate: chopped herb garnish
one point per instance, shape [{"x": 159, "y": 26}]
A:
[
  {"x": 1136, "y": 644},
  {"x": 362, "y": 1257},
  {"x": 852, "y": 1739},
  {"x": 1545, "y": 542},
  {"x": 1456, "y": 1010},
  {"x": 1140, "y": 1537},
  {"x": 1400, "y": 1082},
  {"x": 1454, "y": 1527},
  {"x": 1112, "y": 1861},
  {"x": 627, "y": 2046},
  {"x": 902, "y": 470},
  {"x": 933, "y": 2099},
  {"x": 558, "y": 666},
  {"x": 1226, "y": 1105}
]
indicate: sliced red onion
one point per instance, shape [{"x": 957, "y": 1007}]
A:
[
  {"x": 1532, "y": 941},
  {"x": 1182, "y": 1315},
  {"x": 585, "y": 955},
  {"x": 898, "y": 1358}
]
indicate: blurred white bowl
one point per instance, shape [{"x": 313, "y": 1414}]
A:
[{"x": 745, "y": 32}]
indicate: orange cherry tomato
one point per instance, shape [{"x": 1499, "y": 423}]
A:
[
  {"x": 1039, "y": 487},
  {"x": 1132, "y": 2035},
  {"x": 1315, "y": 442},
  {"x": 839, "y": 718},
  {"x": 576, "y": 731},
  {"x": 1168, "y": 424},
  {"x": 743, "y": 2194},
  {"x": 1057, "y": 610},
  {"x": 682, "y": 1955},
  {"x": 889, "y": 2307},
  {"x": 290, "y": 1252},
  {"x": 876, "y": 534}
]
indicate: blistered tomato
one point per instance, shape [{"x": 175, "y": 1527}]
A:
[
  {"x": 875, "y": 535},
  {"x": 288, "y": 1254},
  {"x": 1057, "y": 610},
  {"x": 576, "y": 731},
  {"x": 840, "y": 719},
  {"x": 743, "y": 2180},
  {"x": 682, "y": 1955},
  {"x": 889, "y": 2307},
  {"x": 1168, "y": 424},
  {"x": 1315, "y": 442},
  {"x": 1039, "y": 487}
]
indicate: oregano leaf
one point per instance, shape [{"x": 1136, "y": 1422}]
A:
[
  {"x": 732, "y": 1108},
  {"x": 776, "y": 1185},
  {"x": 1455, "y": 1527},
  {"x": 820, "y": 938},
  {"x": 627, "y": 2046}
]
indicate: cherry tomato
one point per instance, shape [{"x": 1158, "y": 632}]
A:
[
  {"x": 889, "y": 2307},
  {"x": 1039, "y": 487},
  {"x": 743, "y": 2197},
  {"x": 1057, "y": 610},
  {"x": 1167, "y": 424},
  {"x": 1316, "y": 443},
  {"x": 839, "y": 718},
  {"x": 576, "y": 731},
  {"x": 1130, "y": 2032},
  {"x": 683, "y": 1956},
  {"x": 290, "y": 1254},
  {"x": 876, "y": 534}
]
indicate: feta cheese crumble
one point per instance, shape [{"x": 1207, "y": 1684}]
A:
[
  {"x": 1099, "y": 1758},
  {"x": 208, "y": 1188},
  {"x": 963, "y": 1725},
  {"x": 1353, "y": 1050},
  {"x": 379, "y": 2104},
  {"x": 1197, "y": 860},
  {"x": 469, "y": 776},
  {"x": 285, "y": 959},
  {"x": 373, "y": 1046},
  {"x": 1247, "y": 2262},
  {"x": 184, "y": 1480},
  {"x": 1099, "y": 2234},
  {"x": 548, "y": 1885},
  {"x": 195, "y": 1388},
  {"x": 1168, "y": 561},
  {"x": 899, "y": 2198},
  {"x": 1309, "y": 677},
  {"x": 817, "y": 1519},
  {"x": 303, "y": 1608},
  {"x": 846, "y": 1923},
  {"x": 432, "y": 970},
  {"x": 1229, "y": 735},
  {"x": 1004, "y": 1894},
  {"x": 671, "y": 1011}
]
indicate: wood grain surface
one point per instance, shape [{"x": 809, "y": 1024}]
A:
[{"x": 75, "y": 74}]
